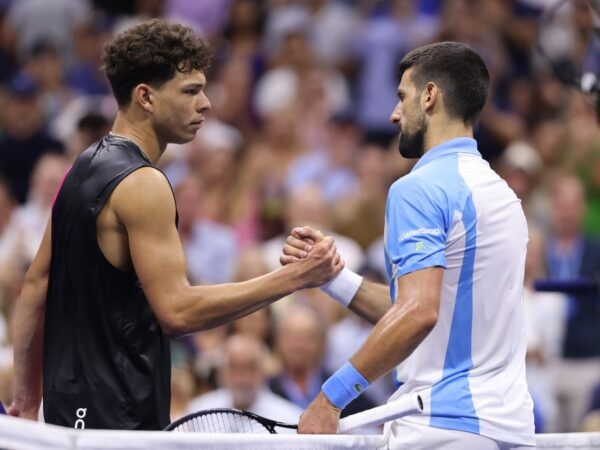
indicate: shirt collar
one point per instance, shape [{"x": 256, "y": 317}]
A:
[{"x": 456, "y": 145}]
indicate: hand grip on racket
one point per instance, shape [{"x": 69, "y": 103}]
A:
[
  {"x": 225, "y": 420},
  {"x": 411, "y": 404}
]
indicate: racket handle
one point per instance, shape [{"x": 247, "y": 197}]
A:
[{"x": 411, "y": 404}]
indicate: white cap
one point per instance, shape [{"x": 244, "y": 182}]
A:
[
  {"x": 275, "y": 91},
  {"x": 216, "y": 135},
  {"x": 521, "y": 155}
]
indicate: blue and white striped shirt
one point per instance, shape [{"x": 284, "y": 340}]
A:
[{"x": 452, "y": 210}]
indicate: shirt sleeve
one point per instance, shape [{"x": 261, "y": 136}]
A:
[{"x": 417, "y": 217}]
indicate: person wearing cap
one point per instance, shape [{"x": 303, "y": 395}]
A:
[
  {"x": 25, "y": 136},
  {"x": 522, "y": 167}
]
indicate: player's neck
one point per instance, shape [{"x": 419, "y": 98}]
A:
[
  {"x": 140, "y": 134},
  {"x": 444, "y": 130}
]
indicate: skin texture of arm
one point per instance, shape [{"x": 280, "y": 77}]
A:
[
  {"x": 392, "y": 340},
  {"x": 144, "y": 205},
  {"x": 28, "y": 320},
  {"x": 371, "y": 302}
]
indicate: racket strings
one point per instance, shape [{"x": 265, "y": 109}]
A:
[{"x": 222, "y": 422}]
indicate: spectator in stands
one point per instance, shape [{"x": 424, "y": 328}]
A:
[
  {"x": 182, "y": 391},
  {"x": 207, "y": 17},
  {"x": 214, "y": 157},
  {"x": 46, "y": 68},
  {"x": 545, "y": 314},
  {"x": 521, "y": 167},
  {"x": 243, "y": 32},
  {"x": 595, "y": 402},
  {"x": 89, "y": 128},
  {"x": 84, "y": 77},
  {"x": 210, "y": 247},
  {"x": 31, "y": 217},
  {"x": 250, "y": 264},
  {"x": 243, "y": 383},
  {"x": 360, "y": 215},
  {"x": 28, "y": 222},
  {"x": 481, "y": 27},
  {"x": 266, "y": 159},
  {"x": 381, "y": 40},
  {"x": 8, "y": 272},
  {"x": 260, "y": 324},
  {"x": 331, "y": 165},
  {"x": 25, "y": 136},
  {"x": 300, "y": 340},
  {"x": 591, "y": 422},
  {"x": 329, "y": 27},
  {"x": 58, "y": 22},
  {"x": 8, "y": 205},
  {"x": 572, "y": 255}
]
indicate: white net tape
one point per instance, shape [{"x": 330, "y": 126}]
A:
[
  {"x": 571, "y": 441},
  {"x": 19, "y": 434}
]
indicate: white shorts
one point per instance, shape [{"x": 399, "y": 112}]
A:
[{"x": 402, "y": 435}]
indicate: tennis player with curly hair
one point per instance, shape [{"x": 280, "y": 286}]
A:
[{"x": 108, "y": 285}]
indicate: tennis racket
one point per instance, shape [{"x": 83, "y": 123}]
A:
[{"x": 225, "y": 420}]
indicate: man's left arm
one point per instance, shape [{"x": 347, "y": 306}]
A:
[{"x": 392, "y": 340}]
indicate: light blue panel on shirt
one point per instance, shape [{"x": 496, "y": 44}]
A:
[
  {"x": 451, "y": 400},
  {"x": 417, "y": 221}
]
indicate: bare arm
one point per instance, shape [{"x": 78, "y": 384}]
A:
[
  {"x": 144, "y": 204},
  {"x": 404, "y": 326},
  {"x": 391, "y": 341},
  {"x": 28, "y": 326},
  {"x": 371, "y": 301}
]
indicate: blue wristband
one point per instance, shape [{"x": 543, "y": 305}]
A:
[{"x": 344, "y": 385}]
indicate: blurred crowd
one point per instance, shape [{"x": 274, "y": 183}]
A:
[{"x": 299, "y": 133}]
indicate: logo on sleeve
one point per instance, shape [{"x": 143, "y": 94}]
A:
[
  {"x": 419, "y": 232},
  {"x": 419, "y": 247}
]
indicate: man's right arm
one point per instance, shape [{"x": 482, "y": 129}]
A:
[
  {"x": 144, "y": 204},
  {"x": 28, "y": 326},
  {"x": 371, "y": 301}
]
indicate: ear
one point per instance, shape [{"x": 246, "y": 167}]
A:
[
  {"x": 430, "y": 96},
  {"x": 143, "y": 95}
]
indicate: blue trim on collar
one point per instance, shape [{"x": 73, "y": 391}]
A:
[{"x": 456, "y": 145}]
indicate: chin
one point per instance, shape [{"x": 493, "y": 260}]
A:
[
  {"x": 410, "y": 153},
  {"x": 182, "y": 139}
]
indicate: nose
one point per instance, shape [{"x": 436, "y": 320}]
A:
[
  {"x": 204, "y": 104},
  {"x": 396, "y": 114}
]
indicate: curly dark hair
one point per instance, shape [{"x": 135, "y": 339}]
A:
[{"x": 151, "y": 53}]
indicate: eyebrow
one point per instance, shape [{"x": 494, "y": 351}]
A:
[
  {"x": 194, "y": 84},
  {"x": 191, "y": 85}
]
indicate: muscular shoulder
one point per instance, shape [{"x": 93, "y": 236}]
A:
[{"x": 144, "y": 194}]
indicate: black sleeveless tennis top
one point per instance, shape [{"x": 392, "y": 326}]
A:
[{"x": 107, "y": 362}]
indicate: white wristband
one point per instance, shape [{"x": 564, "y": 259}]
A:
[{"x": 343, "y": 287}]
